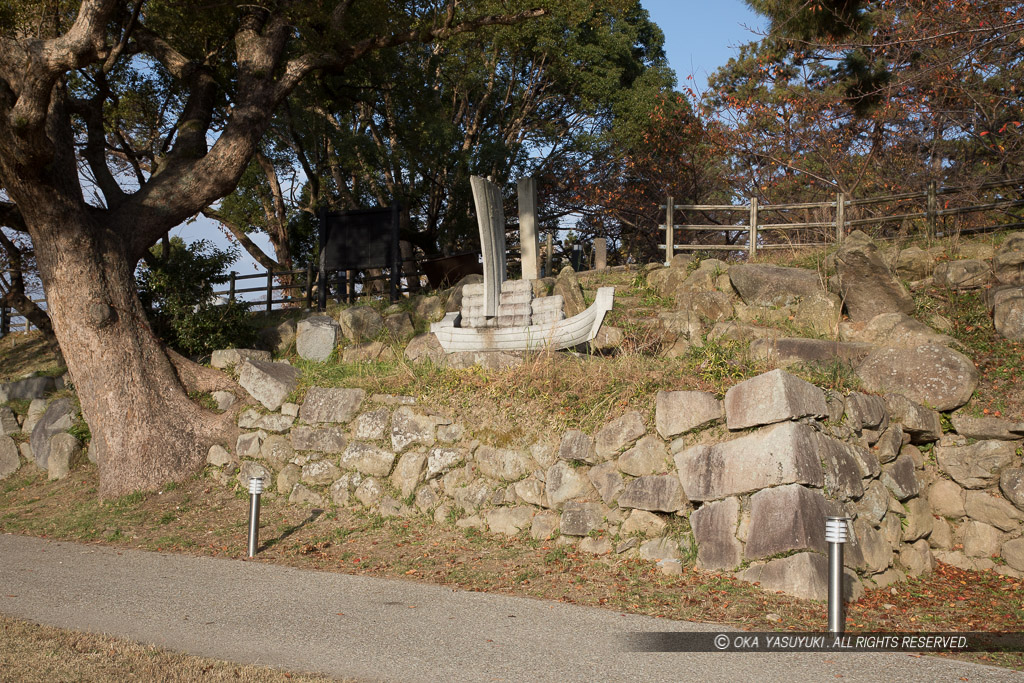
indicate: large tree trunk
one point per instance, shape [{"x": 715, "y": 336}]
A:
[{"x": 134, "y": 394}]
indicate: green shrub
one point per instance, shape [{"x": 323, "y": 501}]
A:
[{"x": 177, "y": 290}]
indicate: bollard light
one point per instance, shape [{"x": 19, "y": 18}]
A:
[
  {"x": 255, "y": 490},
  {"x": 836, "y": 534}
]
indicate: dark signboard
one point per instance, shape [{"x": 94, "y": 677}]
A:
[{"x": 357, "y": 240}]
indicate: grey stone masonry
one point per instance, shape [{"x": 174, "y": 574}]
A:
[
  {"x": 223, "y": 358},
  {"x": 331, "y": 405},
  {"x": 786, "y": 518},
  {"x": 772, "y": 397},
  {"x": 786, "y": 454},
  {"x": 514, "y": 307},
  {"x": 316, "y": 338},
  {"x": 677, "y": 412},
  {"x": 473, "y": 314},
  {"x": 268, "y": 383}
]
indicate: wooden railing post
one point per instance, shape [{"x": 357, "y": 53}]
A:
[
  {"x": 309, "y": 285},
  {"x": 549, "y": 248},
  {"x": 231, "y": 286},
  {"x": 932, "y": 208},
  {"x": 752, "y": 249},
  {"x": 670, "y": 231},
  {"x": 5, "y": 321},
  {"x": 270, "y": 290},
  {"x": 840, "y": 217}
]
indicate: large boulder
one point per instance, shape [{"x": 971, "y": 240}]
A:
[
  {"x": 786, "y": 351},
  {"x": 772, "y": 397},
  {"x": 59, "y": 417},
  {"x": 227, "y": 358},
  {"x": 784, "y": 454},
  {"x": 27, "y": 389},
  {"x": 678, "y": 412},
  {"x": 656, "y": 493},
  {"x": 962, "y": 275},
  {"x": 1008, "y": 313},
  {"x": 279, "y": 338},
  {"x": 784, "y": 519},
  {"x": 977, "y": 465},
  {"x": 893, "y": 329},
  {"x": 268, "y": 383},
  {"x": 316, "y": 338},
  {"x": 914, "y": 263},
  {"x": 765, "y": 285},
  {"x": 934, "y": 375},
  {"x": 334, "y": 405},
  {"x": 360, "y": 323},
  {"x": 9, "y": 459},
  {"x": 714, "y": 529},
  {"x": 804, "y": 575},
  {"x": 567, "y": 285},
  {"x": 865, "y": 283},
  {"x": 425, "y": 347},
  {"x": 1008, "y": 262}
]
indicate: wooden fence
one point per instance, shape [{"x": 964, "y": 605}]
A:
[{"x": 755, "y": 234}]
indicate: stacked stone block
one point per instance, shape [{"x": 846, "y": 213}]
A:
[
  {"x": 473, "y": 307},
  {"x": 548, "y": 309},
  {"x": 514, "y": 309}
]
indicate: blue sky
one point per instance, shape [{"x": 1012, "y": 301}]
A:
[{"x": 700, "y": 36}]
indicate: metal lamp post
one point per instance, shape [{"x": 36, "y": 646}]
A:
[
  {"x": 836, "y": 534},
  {"x": 255, "y": 490}
]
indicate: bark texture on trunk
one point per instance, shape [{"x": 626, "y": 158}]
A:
[{"x": 134, "y": 395}]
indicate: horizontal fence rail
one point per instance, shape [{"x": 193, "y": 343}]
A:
[{"x": 755, "y": 233}]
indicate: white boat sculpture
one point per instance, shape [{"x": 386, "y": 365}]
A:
[{"x": 561, "y": 334}]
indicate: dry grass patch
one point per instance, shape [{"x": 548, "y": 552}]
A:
[{"x": 31, "y": 653}]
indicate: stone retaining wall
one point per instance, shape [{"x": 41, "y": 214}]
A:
[{"x": 742, "y": 484}]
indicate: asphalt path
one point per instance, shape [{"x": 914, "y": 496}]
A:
[{"x": 383, "y": 629}]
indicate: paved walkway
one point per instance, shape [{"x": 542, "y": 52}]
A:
[{"x": 380, "y": 629}]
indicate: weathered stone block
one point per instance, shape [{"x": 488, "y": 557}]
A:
[
  {"x": 980, "y": 539},
  {"x": 564, "y": 483},
  {"x": 279, "y": 337},
  {"x": 643, "y": 522},
  {"x": 360, "y": 323},
  {"x": 409, "y": 472},
  {"x": 287, "y": 478},
  {"x": 978, "y": 465},
  {"x": 369, "y": 492},
  {"x": 946, "y": 499},
  {"x": 931, "y": 374},
  {"x": 301, "y": 495},
  {"x": 409, "y": 427},
  {"x": 714, "y": 529},
  {"x": 874, "y": 548},
  {"x": 367, "y": 459},
  {"x": 324, "y": 439},
  {"x": 785, "y": 454},
  {"x": 268, "y": 383},
  {"x": 917, "y": 520},
  {"x": 545, "y": 523},
  {"x": 678, "y": 412},
  {"x": 900, "y": 479},
  {"x": 775, "y": 396},
  {"x": 618, "y": 434},
  {"x": 579, "y": 519},
  {"x": 873, "y": 504},
  {"x": 320, "y": 472},
  {"x": 331, "y": 405},
  {"x": 1011, "y": 483},
  {"x": 804, "y": 575},
  {"x": 225, "y": 358},
  {"x": 786, "y": 518},
  {"x": 65, "y": 451},
  {"x": 986, "y": 508},
  {"x": 9, "y": 460},
  {"x": 917, "y": 559},
  {"x": 578, "y": 446},
  {"x": 316, "y": 338},
  {"x": 647, "y": 457},
  {"x": 607, "y": 481},
  {"x": 59, "y": 417},
  {"x": 657, "y": 492},
  {"x": 510, "y": 521},
  {"x": 441, "y": 460},
  {"x": 502, "y": 464}
]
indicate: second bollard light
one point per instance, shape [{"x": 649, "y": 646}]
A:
[
  {"x": 836, "y": 534},
  {"x": 255, "y": 490}
]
